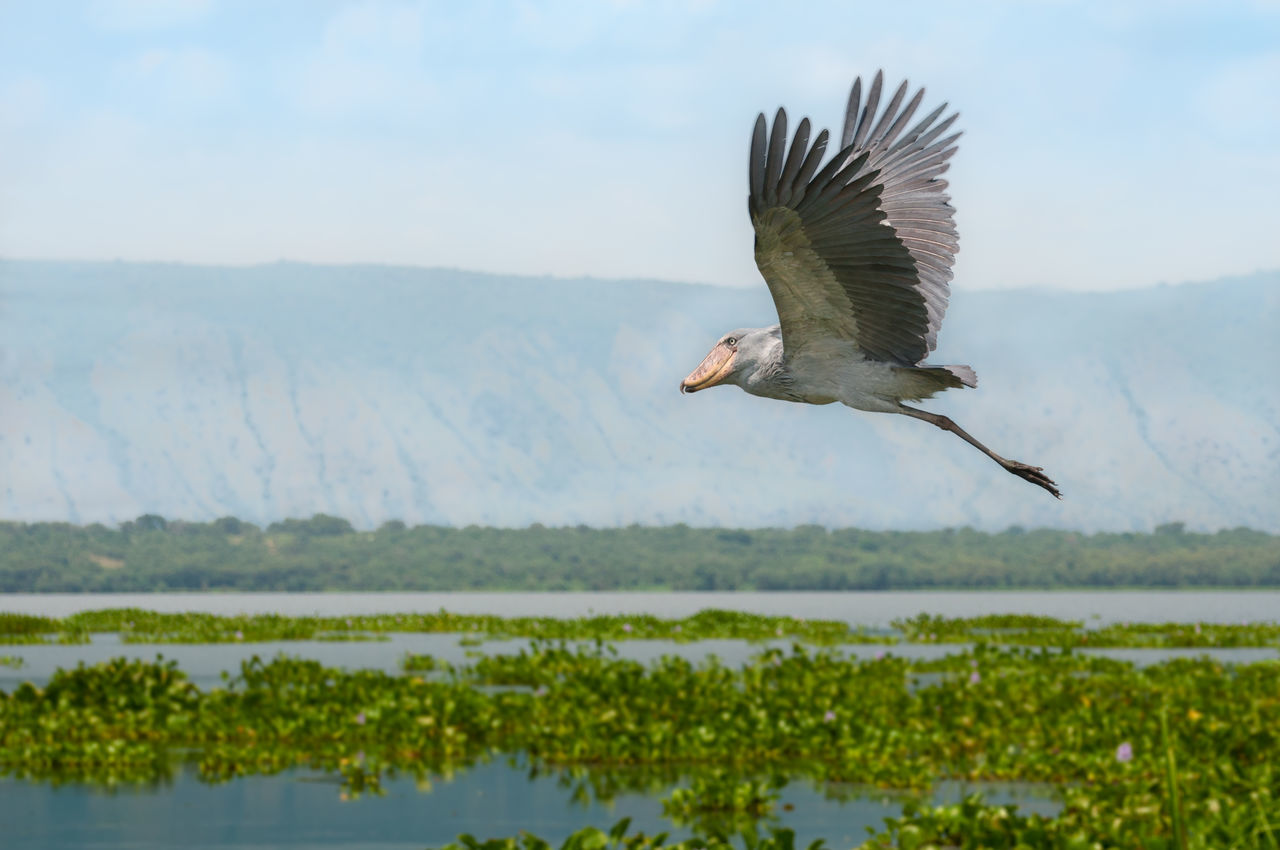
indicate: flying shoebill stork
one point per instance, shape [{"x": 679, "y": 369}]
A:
[{"x": 857, "y": 255}]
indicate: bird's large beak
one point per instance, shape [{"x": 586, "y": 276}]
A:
[{"x": 711, "y": 371}]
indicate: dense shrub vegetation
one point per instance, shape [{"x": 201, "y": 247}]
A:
[{"x": 326, "y": 553}]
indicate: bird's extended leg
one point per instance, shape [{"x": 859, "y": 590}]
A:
[{"x": 1034, "y": 474}]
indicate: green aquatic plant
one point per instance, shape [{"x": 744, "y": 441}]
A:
[
  {"x": 1028, "y": 630},
  {"x": 722, "y": 804},
  {"x": 11, "y": 661},
  {"x": 135, "y": 625},
  {"x": 592, "y": 838},
  {"x": 1171, "y": 783},
  {"x": 26, "y": 624}
]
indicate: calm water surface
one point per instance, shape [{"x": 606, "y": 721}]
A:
[
  {"x": 302, "y": 809},
  {"x": 871, "y": 609}
]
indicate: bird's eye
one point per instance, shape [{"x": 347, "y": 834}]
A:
[{"x": 733, "y": 340}]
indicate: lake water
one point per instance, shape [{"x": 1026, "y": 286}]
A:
[
  {"x": 303, "y": 809},
  {"x": 871, "y": 609}
]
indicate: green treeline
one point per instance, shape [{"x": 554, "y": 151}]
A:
[{"x": 326, "y": 553}]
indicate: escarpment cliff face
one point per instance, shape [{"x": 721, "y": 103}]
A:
[{"x": 439, "y": 396}]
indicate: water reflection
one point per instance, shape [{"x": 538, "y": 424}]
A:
[{"x": 300, "y": 808}]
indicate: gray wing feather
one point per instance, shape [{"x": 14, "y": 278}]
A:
[{"x": 862, "y": 248}]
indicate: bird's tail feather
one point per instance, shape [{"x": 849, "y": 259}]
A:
[
  {"x": 921, "y": 382},
  {"x": 964, "y": 374}
]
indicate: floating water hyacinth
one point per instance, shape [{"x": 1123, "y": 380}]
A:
[
  {"x": 136, "y": 626},
  {"x": 1124, "y": 753}
]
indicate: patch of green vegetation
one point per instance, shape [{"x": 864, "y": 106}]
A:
[
  {"x": 1022, "y": 630},
  {"x": 591, "y": 838},
  {"x": 716, "y": 803},
  {"x": 135, "y": 625},
  {"x": 12, "y": 661}
]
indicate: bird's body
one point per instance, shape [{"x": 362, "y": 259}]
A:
[{"x": 857, "y": 255}]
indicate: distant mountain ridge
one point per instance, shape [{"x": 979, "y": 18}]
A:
[{"x": 441, "y": 396}]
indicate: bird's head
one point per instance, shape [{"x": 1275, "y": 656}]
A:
[{"x": 729, "y": 359}]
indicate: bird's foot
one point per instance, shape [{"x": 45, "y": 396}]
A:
[{"x": 1034, "y": 474}]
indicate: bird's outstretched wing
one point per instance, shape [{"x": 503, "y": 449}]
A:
[{"x": 860, "y": 251}]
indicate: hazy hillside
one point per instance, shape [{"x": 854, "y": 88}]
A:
[{"x": 447, "y": 397}]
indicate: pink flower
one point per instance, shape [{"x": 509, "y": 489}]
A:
[
  {"x": 360, "y": 719},
  {"x": 975, "y": 677},
  {"x": 879, "y": 654},
  {"x": 829, "y": 717},
  {"x": 1124, "y": 753},
  {"x": 626, "y": 627},
  {"x": 239, "y": 635}
]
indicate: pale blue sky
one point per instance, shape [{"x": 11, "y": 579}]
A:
[{"x": 1106, "y": 145}]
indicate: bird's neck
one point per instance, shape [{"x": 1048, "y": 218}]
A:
[{"x": 769, "y": 376}]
